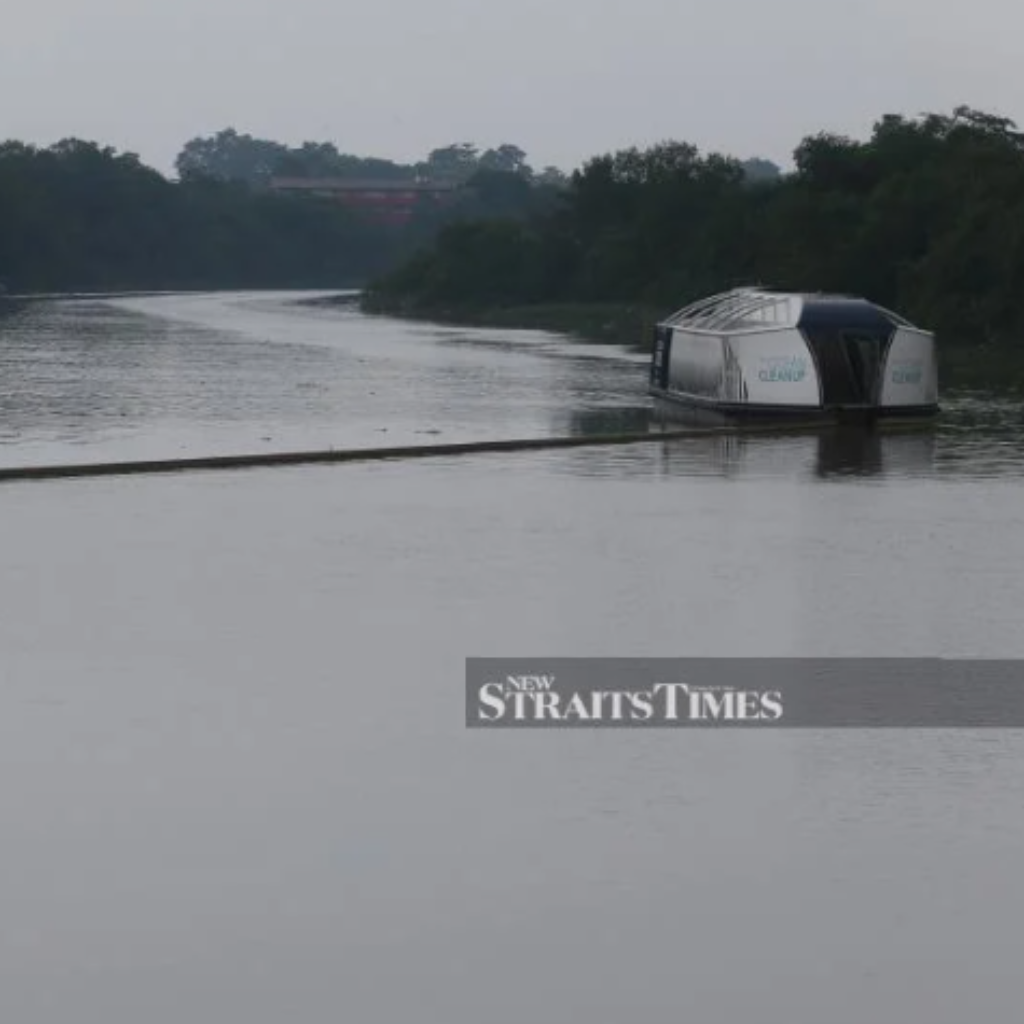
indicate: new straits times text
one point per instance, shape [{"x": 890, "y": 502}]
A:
[
  {"x": 743, "y": 692},
  {"x": 533, "y": 698}
]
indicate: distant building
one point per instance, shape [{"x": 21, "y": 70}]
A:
[{"x": 385, "y": 201}]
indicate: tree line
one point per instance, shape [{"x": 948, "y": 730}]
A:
[
  {"x": 926, "y": 216},
  {"x": 78, "y": 216},
  {"x": 229, "y": 155},
  {"x": 81, "y": 216}
]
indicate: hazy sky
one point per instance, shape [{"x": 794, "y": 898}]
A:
[{"x": 564, "y": 79}]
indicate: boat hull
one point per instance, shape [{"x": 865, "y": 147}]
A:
[{"x": 697, "y": 410}]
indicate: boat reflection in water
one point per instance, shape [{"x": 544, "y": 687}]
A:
[
  {"x": 852, "y": 452},
  {"x": 820, "y": 451},
  {"x": 841, "y": 452}
]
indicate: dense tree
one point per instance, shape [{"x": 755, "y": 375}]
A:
[
  {"x": 505, "y": 157},
  {"x": 552, "y": 176},
  {"x": 322, "y": 160},
  {"x": 456, "y": 162},
  {"x": 229, "y": 156},
  {"x": 926, "y": 216},
  {"x": 758, "y": 169},
  {"x": 81, "y": 216}
]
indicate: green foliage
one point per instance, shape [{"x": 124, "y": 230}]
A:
[
  {"x": 507, "y": 158},
  {"x": 552, "y": 177},
  {"x": 925, "y": 216},
  {"x": 77, "y": 216},
  {"x": 451, "y": 163},
  {"x": 230, "y": 156},
  {"x": 493, "y": 260},
  {"x": 758, "y": 169}
]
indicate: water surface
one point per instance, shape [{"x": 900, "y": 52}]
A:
[
  {"x": 160, "y": 376},
  {"x": 233, "y": 771}
]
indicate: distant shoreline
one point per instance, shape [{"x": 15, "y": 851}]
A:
[
  {"x": 986, "y": 368},
  {"x": 610, "y": 323},
  {"x": 331, "y": 296}
]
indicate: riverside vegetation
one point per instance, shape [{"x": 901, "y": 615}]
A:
[
  {"x": 925, "y": 217},
  {"x": 78, "y": 216}
]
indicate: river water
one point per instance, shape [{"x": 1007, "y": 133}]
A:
[{"x": 234, "y": 776}]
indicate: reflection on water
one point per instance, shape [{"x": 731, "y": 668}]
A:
[
  {"x": 609, "y": 419},
  {"x": 851, "y": 452},
  {"x": 826, "y": 454},
  {"x": 975, "y": 438}
]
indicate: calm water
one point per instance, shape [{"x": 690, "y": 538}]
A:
[
  {"x": 234, "y": 778},
  {"x": 166, "y": 376}
]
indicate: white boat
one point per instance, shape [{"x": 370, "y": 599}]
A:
[{"x": 759, "y": 353}]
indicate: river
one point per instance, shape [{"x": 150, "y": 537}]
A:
[{"x": 235, "y": 779}]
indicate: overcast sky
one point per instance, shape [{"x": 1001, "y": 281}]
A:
[{"x": 564, "y": 79}]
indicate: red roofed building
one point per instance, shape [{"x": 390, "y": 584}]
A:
[{"x": 384, "y": 200}]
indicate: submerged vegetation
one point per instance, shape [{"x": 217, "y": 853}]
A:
[{"x": 925, "y": 217}]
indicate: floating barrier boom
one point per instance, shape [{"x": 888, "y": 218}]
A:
[{"x": 301, "y": 458}]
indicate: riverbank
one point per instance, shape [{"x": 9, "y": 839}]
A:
[
  {"x": 982, "y": 367},
  {"x": 601, "y": 323}
]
